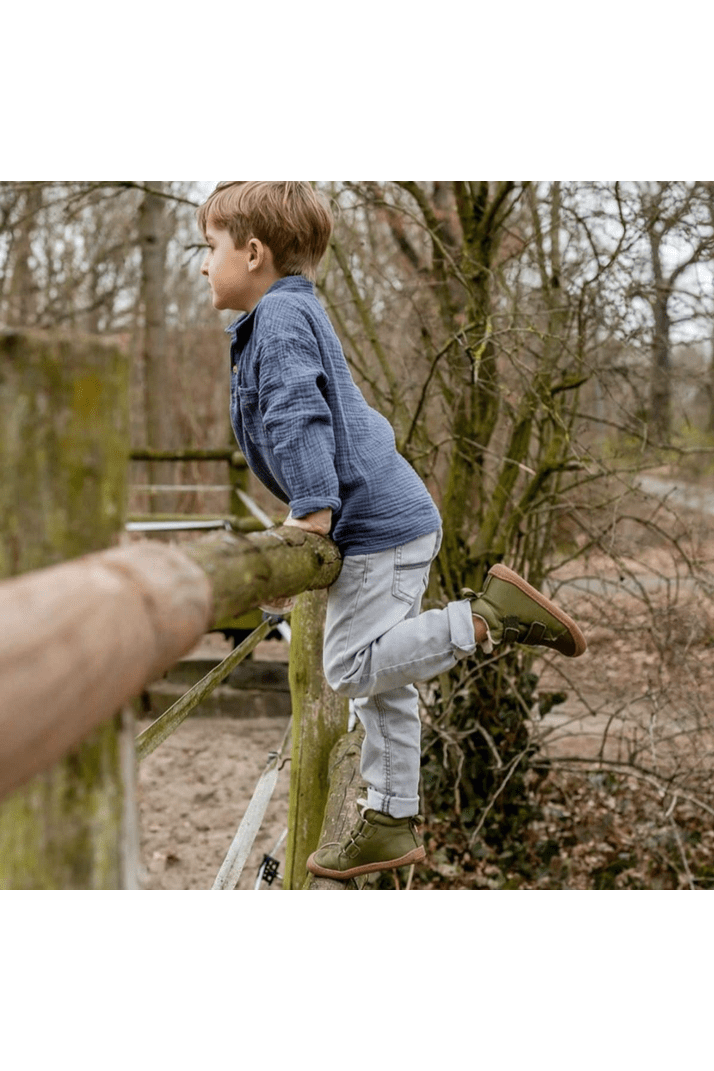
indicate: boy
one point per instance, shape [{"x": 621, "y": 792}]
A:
[{"x": 310, "y": 437}]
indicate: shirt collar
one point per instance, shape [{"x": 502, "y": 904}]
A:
[{"x": 289, "y": 283}]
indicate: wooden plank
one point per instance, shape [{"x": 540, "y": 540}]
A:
[
  {"x": 229, "y": 454},
  {"x": 170, "y": 720}
]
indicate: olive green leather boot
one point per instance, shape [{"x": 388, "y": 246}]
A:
[
  {"x": 377, "y": 842},
  {"x": 514, "y": 611}
]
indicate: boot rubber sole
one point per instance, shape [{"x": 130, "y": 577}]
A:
[
  {"x": 502, "y": 572},
  {"x": 415, "y": 856}
]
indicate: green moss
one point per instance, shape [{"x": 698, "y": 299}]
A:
[
  {"x": 63, "y": 448},
  {"x": 61, "y": 830},
  {"x": 319, "y": 719},
  {"x": 63, "y": 454}
]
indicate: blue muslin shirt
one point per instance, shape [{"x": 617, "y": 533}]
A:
[{"x": 307, "y": 432}]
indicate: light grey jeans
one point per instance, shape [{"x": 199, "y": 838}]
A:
[{"x": 377, "y": 645}]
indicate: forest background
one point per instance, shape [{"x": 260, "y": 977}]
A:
[{"x": 544, "y": 352}]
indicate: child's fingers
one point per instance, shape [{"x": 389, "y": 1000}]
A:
[{"x": 280, "y": 607}]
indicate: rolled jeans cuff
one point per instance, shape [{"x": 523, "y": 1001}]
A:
[
  {"x": 394, "y": 806},
  {"x": 461, "y": 628}
]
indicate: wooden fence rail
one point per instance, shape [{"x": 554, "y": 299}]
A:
[{"x": 81, "y": 638}]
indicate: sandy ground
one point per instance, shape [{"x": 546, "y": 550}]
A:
[{"x": 193, "y": 791}]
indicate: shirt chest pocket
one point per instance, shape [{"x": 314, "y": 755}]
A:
[{"x": 247, "y": 398}]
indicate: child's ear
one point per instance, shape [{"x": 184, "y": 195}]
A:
[{"x": 255, "y": 253}]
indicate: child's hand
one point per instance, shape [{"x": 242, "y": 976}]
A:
[
  {"x": 320, "y": 522},
  {"x": 279, "y": 607}
]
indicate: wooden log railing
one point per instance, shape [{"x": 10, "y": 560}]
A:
[{"x": 81, "y": 638}]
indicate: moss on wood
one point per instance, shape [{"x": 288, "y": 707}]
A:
[
  {"x": 319, "y": 719},
  {"x": 63, "y": 448},
  {"x": 282, "y": 561},
  {"x": 63, "y": 455}
]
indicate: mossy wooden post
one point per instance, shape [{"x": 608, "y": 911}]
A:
[
  {"x": 63, "y": 460},
  {"x": 342, "y": 810},
  {"x": 319, "y": 719}
]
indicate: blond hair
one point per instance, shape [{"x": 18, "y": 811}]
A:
[{"x": 291, "y": 218}]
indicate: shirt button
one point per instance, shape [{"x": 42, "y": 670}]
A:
[{"x": 235, "y": 369}]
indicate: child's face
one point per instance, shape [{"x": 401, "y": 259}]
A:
[{"x": 228, "y": 271}]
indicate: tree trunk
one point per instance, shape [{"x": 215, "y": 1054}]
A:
[
  {"x": 474, "y": 381},
  {"x": 661, "y": 373},
  {"x": 710, "y": 414},
  {"x": 22, "y": 292},
  {"x": 158, "y": 378},
  {"x": 64, "y": 427}
]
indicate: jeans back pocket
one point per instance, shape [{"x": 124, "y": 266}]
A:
[{"x": 412, "y": 562}]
